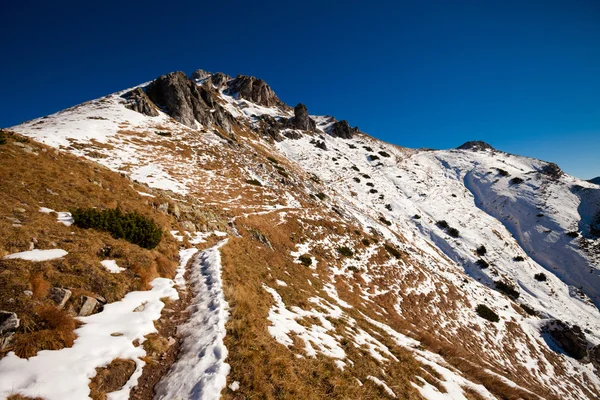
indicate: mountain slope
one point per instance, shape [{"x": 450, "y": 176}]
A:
[{"x": 355, "y": 268}]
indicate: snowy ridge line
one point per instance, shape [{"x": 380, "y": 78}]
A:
[{"x": 200, "y": 371}]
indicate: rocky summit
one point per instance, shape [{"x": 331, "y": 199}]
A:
[{"x": 196, "y": 237}]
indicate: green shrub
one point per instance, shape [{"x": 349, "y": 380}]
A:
[
  {"x": 518, "y": 258},
  {"x": 354, "y": 167},
  {"x": 131, "y": 226},
  {"x": 373, "y": 157},
  {"x": 367, "y": 148},
  {"x": 528, "y": 309},
  {"x": 507, "y": 289},
  {"x": 254, "y": 182},
  {"x": 384, "y": 154},
  {"x": 481, "y": 250},
  {"x": 321, "y": 196},
  {"x": 345, "y": 251},
  {"x": 357, "y": 180},
  {"x": 388, "y": 207},
  {"x": 373, "y": 191},
  {"x": 392, "y": 250},
  {"x": 482, "y": 263},
  {"x": 442, "y": 224},
  {"x": 416, "y": 216},
  {"x": 486, "y": 313},
  {"x": 385, "y": 221},
  {"x": 541, "y": 277},
  {"x": 502, "y": 172},
  {"x": 453, "y": 232},
  {"x": 305, "y": 260}
]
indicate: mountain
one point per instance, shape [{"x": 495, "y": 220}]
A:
[
  {"x": 595, "y": 180},
  {"x": 308, "y": 259}
]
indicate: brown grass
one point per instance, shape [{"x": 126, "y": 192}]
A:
[
  {"x": 165, "y": 267},
  {"x": 39, "y": 286},
  {"x": 111, "y": 378},
  {"x": 21, "y": 397}
]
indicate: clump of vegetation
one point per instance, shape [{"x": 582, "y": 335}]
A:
[
  {"x": 365, "y": 242},
  {"x": 373, "y": 157},
  {"x": 507, "y": 289},
  {"x": 354, "y": 167},
  {"x": 254, "y": 182},
  {"x": 356, "y": 179},
  {"x": 518, "y": 258},
  {"x": 502, "y": 172},
  {"x": 573, "y": 234},
  {"x": 481, "y": 250},
  {"x": 453, "y": 232},
  {"x": 516, "y": 181},
  {"x": 321, "y": 196},
  {"x": 305, "y": 259},
  {"x": 131, "y": 226},
  {"x": 370, "y": 184},
  {"x": 384, "y": 154},
  {"x": 482, "y": 263},
  {"x": 367, "y": 148},
  {"x": 385, "y": 221},
  {"x": 351, "y": 146},
  {"x": 163, "y": 133},
  {"x": 442, "y": 224},
  {"x": 273, "y": 160},
  {"x": 345, "y": 251},
  {"x": 416, "y": 216},
  {"x": 449, "y": 230},
  {"x": 373, "y": 191},
  {"x": 528, "y": 309},
  {"x": 541, "y": 277},
  {"x": 486, "y": 313},
  {"x": 388, "y": 207},
  {"x": 283, "y": 173},
  {"x": 392, "y": 250},
  {"x": 366, "y": 176},
  {"x": 315, "y": 179},
  {"x": 2, "y": 137}
]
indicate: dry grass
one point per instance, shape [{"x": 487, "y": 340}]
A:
[
  {"x": 21, "y": 397},
  {"x": 39, "y": 286},
  {"x": 111, "y": 378}
]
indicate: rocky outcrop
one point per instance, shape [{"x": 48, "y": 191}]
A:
[
  {"x": 302, "y": 120},
  {"x": 199, "y": 75},
  {"x": 254, "y": 90},
  {"x": 552, "y": 170},
  {"x": 342, "y": 130},
  {"x": 137, "y": 100},
  {"x": 475, "y": 145},
  {"x": 594, "y": 356},
  {"x": 8, "y": 321},
  {"x": 187, "y": 102},
  {"x": 570, "y": 339},
  {"x": 219, "y": 80},
  {"x": 88, "y": 307},
  {"x": 60, "y": 296}
]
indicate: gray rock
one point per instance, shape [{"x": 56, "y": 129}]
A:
[
  {"x": 28, "y": 293},
  {"x": 255, "y": 90},
  {"x": 5, "y": 340},
  {"x": 8, "y": 321},
  {"x": 552, "y": 170},
  {"x": 475, "y": 145},
  {"x": 189, "y": 226},
  {"x": 19, "y": 210},
  {"x": 200, "y": 74},
  {"x": 174, "y": 210},
  {"x": 594, "y": 356},
  {"x": 302, "y": 120},
  {"x": 88, "y": 306},
  {"x": 164, "y": 208},
  {"x": 60, "y": 296},
  {"x": 219, "y": 80},
  {"x": 571, "y": 339},
  {"x": 137, "y": 100},
  {"x": 342, "y": 130}
]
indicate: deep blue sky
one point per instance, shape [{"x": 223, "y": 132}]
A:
[{"x": 521, "y": 75}]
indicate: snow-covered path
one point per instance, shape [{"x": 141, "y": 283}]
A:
[{"x": 200, "y": 371}]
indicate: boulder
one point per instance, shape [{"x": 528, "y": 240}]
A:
[
  {"x": 88, "y": 306},
  {"x": 571, "y": 339},
  {"x": 60, "y": 296},
  {"x": 188, "y": 226},
  {"x": 8, "y": 321},
  {"x": 302, "y": 120},
  {"x": 254, "y": 90},
  {"x": 137, "y": 100},
  {"x": 342, "y": 130}
]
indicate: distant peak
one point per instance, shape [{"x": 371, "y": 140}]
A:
[
  {"x": 255, "y": 90},
  {"x": 595, "y": 180},
  {"x": 475, "y": 145}
]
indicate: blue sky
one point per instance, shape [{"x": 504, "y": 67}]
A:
[{"x": 521, "y": 75}]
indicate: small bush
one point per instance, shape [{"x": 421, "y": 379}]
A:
[
  {"x": 442, "y": 224},
  {"x": 366, "y": 176},
  {"x": 39, "y": 286},
  {"x": 541, "y": 277},
  {"x": 388, "y": 207},
  {"x": 254, "y": 182},
  {"x": 385, "y": 221},
  {"x": 370, "y": 184},
  {"x": 365, "y": 242},
  {"x": 507, "y": 289},
  {"x": 481, "y": 250},
  {"x": 392, "y": 250},
  {"x": 373, "y": 191},
  {"x": 305, "y": 260},
  {"x": 502, "y": 172},
  {"x": 274, "y": 161},
  {"x": 367, "y": 148},
  {"x": 528, "y": 310},
  {"x": 345, "y": 251},
  {"x": 354, "y": 167},
  {"x": 351, "y": 146},
  {"x": 518, "y": 259},
  {"x": 482, "y": 263},
  {"x": 373, "y": 157},
  {"x": 131, "y": 226},
  {"x": 573, "y": 234},
  {"x": 516, "y": 181},
  {"x": 321, "y": 196},
  {"x": 486, "y": 313},
  {"x": 384, "y": 154},
  {"x": 416, "y": 216},
  {"x": 357, "y": 180},
  {"x": 453, "y": 232}
]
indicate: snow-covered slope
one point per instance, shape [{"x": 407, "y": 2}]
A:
[{"x": 398, "y": 246}]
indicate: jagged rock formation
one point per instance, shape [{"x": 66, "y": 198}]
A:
[
  {"x": 187, "y": 102},
  {"x": 552, "y": 170},
  {"x": 570, "y": 338},
  {"x": 255, "y": 90},
  {"x": 475, "y": 145},
  {"x": 139, "y": 101},
  {"x": 200, "y": 74},
  {"x": 219, "y": 80},
  {"x": 302, "y": 120},
  {"x": 342, "y": 130}
]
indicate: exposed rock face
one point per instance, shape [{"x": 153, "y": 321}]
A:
[
  {"x": 88, "y": 307},
  {"x": 8, "y": 321},
  {"x": 187, "y": 102},
  {"x": 570, "y": 338},
  {"x": 60, "y": 296},
  {"x": 139, "y": 101},
  {"x": 270, "y": 126},
  {"x": 254, "y": 90},
  {"x": 302, "y": 120},
  {"x": 219, "y": 80},
  {"x": 199, "y": 75},
  {"x": 475, "y": 145},
  {"x": 342, "y": 130},
  {"x": 552, "y": 170},
  {"x": 594, "y": 356}
]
